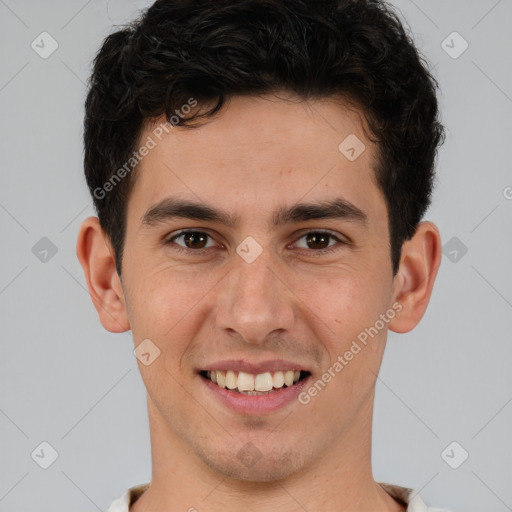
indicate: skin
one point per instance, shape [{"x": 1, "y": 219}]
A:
[{"x": 258, "y": 154}]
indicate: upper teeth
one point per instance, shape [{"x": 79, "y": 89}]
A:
[{"x": 249, "y": 382}]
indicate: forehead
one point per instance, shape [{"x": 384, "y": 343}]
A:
[{"x": 259, "y": 153}]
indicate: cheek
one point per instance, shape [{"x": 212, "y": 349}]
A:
[
  {"x": 165, "y": 303},
  {"x": 345, "y": 300},
  {"x": 164, "y": 307},
  {"x": 350, "y": 307},
  {"x": 349, "y": 303}
]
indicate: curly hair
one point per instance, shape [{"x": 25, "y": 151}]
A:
[{"x": 212, "y": 50}]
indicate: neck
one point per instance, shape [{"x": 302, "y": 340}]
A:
[{"x": 339, "y": 480}]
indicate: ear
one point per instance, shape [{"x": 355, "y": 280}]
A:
[
  {"x": 413, "y": 283},
  {"x": 96, "y": 257}
]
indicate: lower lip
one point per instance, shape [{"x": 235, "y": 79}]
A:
[{"x": 256, "y": 404}]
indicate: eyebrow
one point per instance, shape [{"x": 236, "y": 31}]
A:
[{"x": 171, "y": 208}]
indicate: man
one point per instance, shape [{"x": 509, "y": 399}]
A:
[{"x": 260, "y": 169}]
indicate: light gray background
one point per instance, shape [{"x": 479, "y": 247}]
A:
[{"x": 67, "y": 381}]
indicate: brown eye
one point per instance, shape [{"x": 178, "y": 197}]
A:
[
  {"x": 193, "y": 240},
  {"x": 318, "y": 240}
]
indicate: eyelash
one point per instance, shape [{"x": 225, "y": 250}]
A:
[{"x": 319, "y": 252}]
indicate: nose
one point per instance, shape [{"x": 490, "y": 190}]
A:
[{"x": 254, "y": 301}]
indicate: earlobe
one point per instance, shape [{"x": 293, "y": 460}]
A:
[
  {"x": 413, "y": 284},
  {"x": 98, "y": 264}
]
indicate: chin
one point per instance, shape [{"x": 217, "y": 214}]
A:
[{"x": 256, "y": 467}]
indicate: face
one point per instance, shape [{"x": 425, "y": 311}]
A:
[{"x": 251, "y": 280}]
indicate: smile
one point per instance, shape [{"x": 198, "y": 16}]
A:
[{"x": 250, "y": 384}]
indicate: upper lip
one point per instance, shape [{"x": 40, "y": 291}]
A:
[{"x": 242, "y": 365}]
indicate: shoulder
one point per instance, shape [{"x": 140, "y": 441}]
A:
[
  {"x": 128, "y": 498},
  {"x": 409, "y": 497}
]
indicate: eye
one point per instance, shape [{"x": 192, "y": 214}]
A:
[
  {"x": 319, "y": 241},
  {"x": 192, "y": 240}
]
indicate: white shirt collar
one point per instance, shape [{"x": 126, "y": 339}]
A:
[{"x": 408, "y": 496}]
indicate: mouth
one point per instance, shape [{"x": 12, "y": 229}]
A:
[{"x": 244, "y": 383}]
